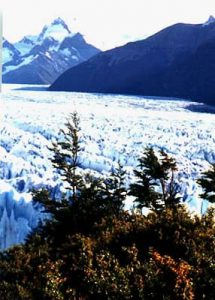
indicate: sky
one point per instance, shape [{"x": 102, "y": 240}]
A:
[{"x": 104, "y": 23}]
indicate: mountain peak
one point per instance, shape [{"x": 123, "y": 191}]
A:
[
  {"x": 57, "y": 30},
  {"x": 61, "y": 22},
  {"x": 210, "y": 20},
  {"x": 26, "y": 40}
]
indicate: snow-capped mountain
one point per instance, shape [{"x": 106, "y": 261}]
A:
[
  {"x": 114, "y": 128},
  {"x": 10, "y": 52},
  {"x": 58, "y": 30},
  {"x": 41, "y": 59},
  {"x": 25, "y": 45}
]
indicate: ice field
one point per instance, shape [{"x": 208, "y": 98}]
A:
[{"x": 114, "y": 128}]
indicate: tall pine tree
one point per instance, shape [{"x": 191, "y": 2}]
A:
[{"x": 66, "y": 152}]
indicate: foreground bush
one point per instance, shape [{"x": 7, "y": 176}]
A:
[{"x": 166, "y": 255}]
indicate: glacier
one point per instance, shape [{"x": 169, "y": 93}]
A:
[{"x": 114, "y": 128}]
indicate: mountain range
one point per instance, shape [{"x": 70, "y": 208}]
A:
[
  {"x": 178, "y": 61},
  {"x": 40, "y": 59}
]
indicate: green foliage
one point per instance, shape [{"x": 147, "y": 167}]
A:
[
  {"x": 66, "y": 153},
  {"x": 167, "y": 255},
  {"x": 208, "y": 184},
  {"x": 155, "y": 187},
  {"x": 28, "y": 273},
  {"x": 114, "y": 191}
]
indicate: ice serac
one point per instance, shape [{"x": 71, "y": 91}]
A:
[
  {"x": 17, "y": 217},
  {"x": 41, "y": 59},
  {"x": 178, "y": 62}
]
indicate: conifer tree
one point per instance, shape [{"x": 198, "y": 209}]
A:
[
  {"x": 90, "y": 198},
  {"x": 207, "y": 182},
  {"x": 64, "y": 211},
  {"x": 66, "y": 159},
  {"x": 155, "y": 187},
  {"x": 114, "y": 191}
]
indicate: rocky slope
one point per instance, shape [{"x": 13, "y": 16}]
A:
[{"x": 178, "y": 62}]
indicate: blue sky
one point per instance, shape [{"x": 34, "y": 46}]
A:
[{"x": 105, "y": 23}]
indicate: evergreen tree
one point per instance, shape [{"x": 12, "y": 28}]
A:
[
  {"x": 90, "y": 199},
  {"x": 64, "y": 211},
  {"x": 155, "y": 187},
  {"x": 66, "y": 152},
  {"x": 114, "y": 191},
  {"x": 207, "y": 182}
]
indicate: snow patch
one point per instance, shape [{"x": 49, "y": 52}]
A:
[{"x": 27, "y": 60}]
